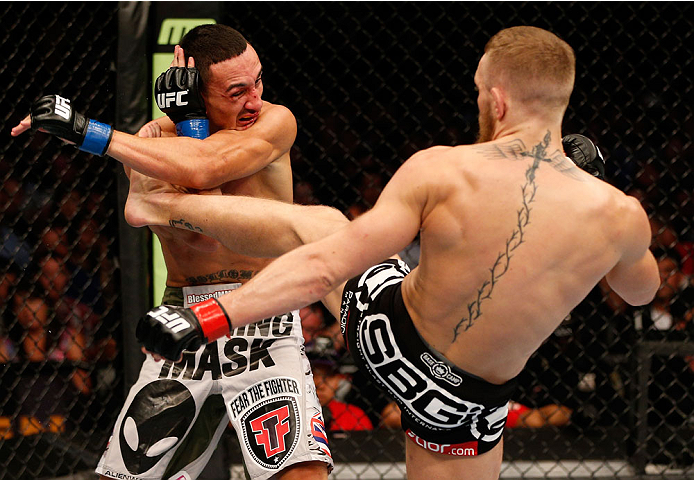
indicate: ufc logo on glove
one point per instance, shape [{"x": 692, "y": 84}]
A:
[
  {"x": 173, "y": 321},
  {"x": 164, "y": 100},
  {"x": 62, "y": 107}
]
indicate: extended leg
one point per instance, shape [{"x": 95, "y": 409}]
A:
[
  {"x": 250, "y": 226},
  {"x": 255, "y": 227}
]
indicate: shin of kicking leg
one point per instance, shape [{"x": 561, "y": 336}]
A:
[{"x": 250, "y": 226}]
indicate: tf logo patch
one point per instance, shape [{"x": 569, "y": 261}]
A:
[{"x": 271, "y": 431}]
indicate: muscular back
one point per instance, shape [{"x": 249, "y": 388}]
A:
[{"x": 513, "y": 237}]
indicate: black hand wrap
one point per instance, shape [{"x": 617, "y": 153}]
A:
[
  {"x": 177, "y": 92},
  {"x": 55, "y": 115},
  {"x": 168, "y": 330},
  {"x": 585, "y": 154}
]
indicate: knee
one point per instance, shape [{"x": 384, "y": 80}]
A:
[
  {"x": 316, "y": 222},
  {"x": 331, "y": 216}
]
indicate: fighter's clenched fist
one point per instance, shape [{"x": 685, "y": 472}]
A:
[
  {"x": 168, "y": 330},
  {"x": 54, "y": 114}
]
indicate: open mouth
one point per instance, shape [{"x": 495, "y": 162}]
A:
[{"x": 248, "y": 120}]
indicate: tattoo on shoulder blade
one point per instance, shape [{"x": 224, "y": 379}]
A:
[
  {"x": 563, "y": 165},
  {"x": 183, "y": 224},
  {"x": 503, "y": 259}
]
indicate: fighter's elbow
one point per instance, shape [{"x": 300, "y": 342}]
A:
[
  {"x": 647, "y": 295},
  {"x": 206, "y": 170},
  {"x": 200, "y": 181},
  {"x": 639, "y": 299},
  {"x": 643, "y": 295},
  {"x": 636, "y": 282}
]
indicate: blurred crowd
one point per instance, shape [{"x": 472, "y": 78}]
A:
[{"x": 58, "y": 298}]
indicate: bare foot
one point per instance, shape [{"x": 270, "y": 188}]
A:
[
  {"x": 150, "y": 203},
  {"x": 143, "y": 207}
]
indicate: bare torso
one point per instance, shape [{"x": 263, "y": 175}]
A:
[
  {"x": 193, "y": 259},
  {"x": 498, "y": 273}
]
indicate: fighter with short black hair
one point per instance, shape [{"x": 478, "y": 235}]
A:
[{"x": 217, "y": 134}]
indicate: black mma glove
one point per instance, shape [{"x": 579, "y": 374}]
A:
[
  {"x": 168, "y": 330},
  {"x": 177, "y": 91},
  {"x": 54, "y": 114},
  {"x": 585, "y": 154}
]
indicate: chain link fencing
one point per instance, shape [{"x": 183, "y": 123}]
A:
[
  {"x": 61, "y": 384},
  {"x": 609, "y": 394}
]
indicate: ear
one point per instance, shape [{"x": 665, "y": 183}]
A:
[{"x": 499, "y": 103}]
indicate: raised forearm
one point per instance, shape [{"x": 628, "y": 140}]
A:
[{"x": 174, "y": 160}]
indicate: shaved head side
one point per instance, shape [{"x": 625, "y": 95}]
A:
[
  {"x": 534, "y": 66},
  {"x": 211, "y": 44}
]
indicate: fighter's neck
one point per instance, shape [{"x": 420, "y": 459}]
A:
[{"x": 530, "y": 133}]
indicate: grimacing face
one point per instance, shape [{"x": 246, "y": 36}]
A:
[{"x": 234, "y": 90}]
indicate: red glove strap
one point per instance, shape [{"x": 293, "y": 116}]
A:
[{"x": 214, "y": 321}]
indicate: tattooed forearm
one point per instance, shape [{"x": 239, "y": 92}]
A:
[
  {"x": 503, "y": 259},
  {"x": 222, "y": 275},
  {"x": 185, "y": 225}
]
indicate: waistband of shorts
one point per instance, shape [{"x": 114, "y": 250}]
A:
[
  {"x": 176, "y": 296},
  {"x": 443, "y": 372},
  {"x": 173, "y": 296},
  {"x": 472, "y": 387}
]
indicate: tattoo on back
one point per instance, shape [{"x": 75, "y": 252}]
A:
[{"x": 514, "y": 150}]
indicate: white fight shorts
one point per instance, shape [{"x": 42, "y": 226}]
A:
[{"x": 259, "y": 379}]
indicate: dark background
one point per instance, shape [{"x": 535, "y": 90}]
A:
[{"x": 369, "y": 84}]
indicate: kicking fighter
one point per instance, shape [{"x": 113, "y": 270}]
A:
[
  {"x": 513, "y": 237},
  {"x": 259, "y": 378}
]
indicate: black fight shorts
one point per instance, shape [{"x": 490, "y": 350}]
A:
[{"x": 444, "y": 409}]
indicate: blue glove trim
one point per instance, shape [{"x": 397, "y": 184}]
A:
[
  {"x": 195, "y": 128},
  {"x": 97, "y": 138}
]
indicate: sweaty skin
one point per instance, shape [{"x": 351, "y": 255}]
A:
[
  {"x": 247, "y": 153},
  {"x": 232, "y": 151},
  {"x": 498, "y": 272},
  {"x": 513, "y": 235},
  {"x": 249, "y": 157},
  {"x": 190, "y": 257}
]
